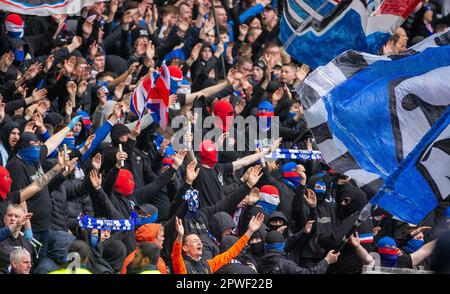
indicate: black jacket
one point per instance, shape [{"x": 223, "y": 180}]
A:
[
  {"x": 68, "y": 191},
  {"x": 276, "y": 262}
]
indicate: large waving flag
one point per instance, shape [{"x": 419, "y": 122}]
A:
[
  {"x": 45, "y": 7},
  {"x": 316, "y": 31},
  {"x": 153, "y": 92},
  {"x": 422, "y": 179},
  {"x": 367, "y": 112}
]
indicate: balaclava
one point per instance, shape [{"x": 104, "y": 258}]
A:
[
  {"x": 387, "y": 248},
  {"x": 275, "y": 241},
  {"x": 124, "y": 183},
  {"x": 290, "y": 175},
  {"x": 5, "y": 182},
  {"x": 27, "y": 152},
  {"x": 269, "y": 198},
  {"x": 168, "y": 159},
  {"x": 222, "y": 110},
  {"x": 208, "y": 153},
  {"x": 265, "y": 114}
]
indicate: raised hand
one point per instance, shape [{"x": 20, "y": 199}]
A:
[
  {"x": 301, "y": 171},
  {"x": 173, "y": 99},
  {"x": 308, "y": 226},
  {"x": 96, "y": 179},
  {"x": 254, "y": 176},
  {"x": 68, "y": 108},
  {"x": 354, "y": 240},
  {"x": 38, "y": 95},
  {"x": 135, "y": 132},
  {"x": 71, "y": 87},
  {"x": 253, "y": 197},
  {"x": 255, "y": 223},
  {"x": 72, "y": 164},
  {"x": 275, "y": 145},
  {"x": 302, "y": 72},
  {"x": 118, "y": 91},
  {"x": 243, "y": 30},
  {"x": 179, "y": 227},
  {"x": 82, "y": 87},
  {"x": 89, "y": 141},
  {"x": 179, "y": 158},
  {"x": 77, "y": 41},
  {"x": 120, "y": 157},
  {"x": 49, "y": 63},
  {"x": 191, "y": 172},
  {"x": 97, "y": 161},
  {"x": 150, "y": 51},
  {"x": 69, "y": 65},
  {"x": 310, "y": 198},
  {"x": 93, "y": 49}
]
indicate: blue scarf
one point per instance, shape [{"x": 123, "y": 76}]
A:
[
  {"x": 148, "y": 220},
  {"x": 191, "y": 197},
  {"x": 70, "y": 142},
  {"x": 89, "y": 222},
  {"x": 19, "y": 55},
  {"x": 93, "y": 240},
  {"x": 275, "y": 246},
  {"x": 267, "y": 207},
  {"x": 292, "y": 182},
  {"x": 30, "y": 154},
  {"x": 292, "y": 114},
  {"x": 413, "y": 245}
]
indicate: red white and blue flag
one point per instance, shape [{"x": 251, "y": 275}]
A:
[
  {"x": 154, "y": 91},
  {"x": 45, "y": 7}
]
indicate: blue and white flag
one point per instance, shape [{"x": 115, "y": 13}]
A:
[
  {"x": 368, "y": 112},
  {"x": 45, "y": 7},
  {"x": 422, "y": 179},
  {"x": 316, "y": 31}
]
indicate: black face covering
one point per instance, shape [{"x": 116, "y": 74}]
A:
[
  {"x": 257, "y": 248},
  {"x": 357, "y": 196}
]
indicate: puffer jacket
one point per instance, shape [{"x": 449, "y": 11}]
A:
[
  {"x": 76, "y": 206},
  {"x": 68, "y": 191}
]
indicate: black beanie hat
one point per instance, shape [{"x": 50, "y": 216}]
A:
[{"x": 274, "y": 237}]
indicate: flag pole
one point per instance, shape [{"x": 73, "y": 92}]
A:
[
  {"x": 363, "y": 216},
  {"x": 222, "y": 59}
]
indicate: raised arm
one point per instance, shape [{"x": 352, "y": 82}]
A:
[
  {"x": 425, "y": 251},
  {"x": 362, "y": 253},
  {"x": 243, "y": 162},
  {"x": 222, "y": 259},
  {"x": 43, "y": 181},
  {"x": 57, "y": 138}
]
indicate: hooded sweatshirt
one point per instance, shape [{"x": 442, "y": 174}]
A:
[{"x": 145, "y": 233}]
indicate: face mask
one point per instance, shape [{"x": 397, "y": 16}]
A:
[
  {"x": 257, "y": 248},
  {"x": 149, "y": 220},
  {"x": 209, "y": 154},
  {"x": 292, "y": 179},
  {"x": 93, "y": 240},
  {"x": 276, "y": 246},
  {"x": 5, "y": 182},
  {"x": 267, "y": 207},
  {"x": 292, "y": 114},
  {"x": 70, "y": 142},
  {"x": 320, "y": 188},
  {"x": 19, "y": 55},
  {"x": 30, "y": 154},
  {"x": 124, "y": 183}
]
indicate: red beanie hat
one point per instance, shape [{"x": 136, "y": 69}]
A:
[
  {"x": 5, "y": 182},
  {"x": 223, "y": 109},
  {"x": 208, "y": 153},
  {"x": 124, "y": 183}
]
